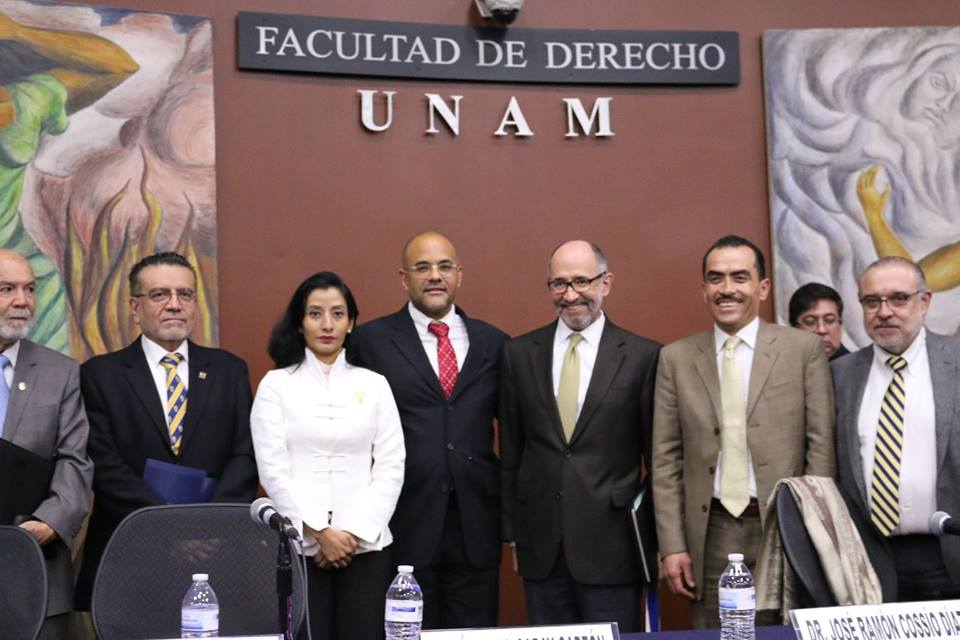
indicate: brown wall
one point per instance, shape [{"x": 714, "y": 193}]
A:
[{"x": 302, "y": 187}]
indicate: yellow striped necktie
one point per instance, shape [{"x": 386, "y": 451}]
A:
[
  {"x": 176, "y": 400},
  {"x": 885, "y": 483}
]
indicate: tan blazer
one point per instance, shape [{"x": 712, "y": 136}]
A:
[{"x": 789, "y": 427}]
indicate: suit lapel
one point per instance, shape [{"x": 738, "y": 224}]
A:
[
  {"x": 541, "y": 363},
  {"x": 477, "y": 354},
  {"x": 848, "y": 415},
  {"x": 706, "y": 364},
  {"x": 24, "y": 381},
  {"x": 144, "y": 388},
  {"x": 944, "y": 375},
  {"x": 609, "y": 359},
  {"x": 764, "y": 357},
  {"x": 408, "y": 342},
  {"x": 200, "y": 378}
]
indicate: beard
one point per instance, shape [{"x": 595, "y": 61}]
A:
[{"x": 12, "y": 330}]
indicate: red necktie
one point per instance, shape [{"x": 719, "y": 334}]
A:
[{"x": 446, "y": 357}]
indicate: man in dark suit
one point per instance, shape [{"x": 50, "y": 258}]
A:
[
  {"x": 818, "y": 309},
  {"x": 442, "y": 366},
  {"x": 575, "y": 424},
  {"x": 898, "y": 454},
  {"x": 44, "y": 414},
  {"x": 163, "y": 398}
]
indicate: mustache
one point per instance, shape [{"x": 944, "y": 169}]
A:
[
  {"x": 563, "y": 304},
  {"x": 727, "y": 298},
  {"x": 17, "y": 315}
]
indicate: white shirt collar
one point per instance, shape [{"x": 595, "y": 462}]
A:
[
  {"x": 155, "y": 352},
  {"x": 591, "y": 334},
  {"x": 314, "y": 364},
  {"x": 422, "y": 321},
  {"x": 748, "y": 334},
  {"x": 911, "y": 355},
  {"x": 12, "y": 352}
]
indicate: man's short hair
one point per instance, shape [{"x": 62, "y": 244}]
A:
[
  {"x": 167, "y": 257},
  {"x": 598, "y": 255},
  {"x": 892, "y": 261},
  {"x": 732, "y": 242},
  {"x": 807, "y": 296}
]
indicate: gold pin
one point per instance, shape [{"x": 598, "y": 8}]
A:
[
  {"x": 359, "y": 395},
  {"x": 22, "y": 386},
  {"x": 202, "y": 375}
]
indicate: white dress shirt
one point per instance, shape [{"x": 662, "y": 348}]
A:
[
  {"x": 918, "y": 459},
  {"x": 587, "y": 350},
  {"x": 12, "y": 352},
  {"x": 457, "y": 335},
  {"x": 154, "y": 353},
  {"x": 329, "y": 449},
  {"x": 744, "y": 354}
]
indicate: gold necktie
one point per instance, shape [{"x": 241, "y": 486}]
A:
[
  {"x": 176, "y": 400},
  {"x": 734, "y": 479},
  {"x": 885, "y": 479},
  {"x": 569, "y": 391}
]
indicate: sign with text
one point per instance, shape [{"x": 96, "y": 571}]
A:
[
  {"x": 595, "y": 631},
  {"x": 279, "y": 42},
  {"x": 895, "y": 621}
]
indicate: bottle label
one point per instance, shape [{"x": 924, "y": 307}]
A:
[
  {"x": 200, "y": 620},
  {"x": 738, "y": 599},
  {"x": 403, "y": 611}
]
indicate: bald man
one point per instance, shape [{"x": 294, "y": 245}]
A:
[
  {"x": 43, "y": 413},
  {"x": 443, "y": 368},
  {"x": 575, "y": 422}
]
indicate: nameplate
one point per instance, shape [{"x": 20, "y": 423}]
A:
[
  {"x": 594, "y": 631},
  {"x": 271, "y": 636},
  {"x": 894, "y": 621}
]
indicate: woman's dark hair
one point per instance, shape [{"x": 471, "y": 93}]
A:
[{"x": 286, "y": 342}]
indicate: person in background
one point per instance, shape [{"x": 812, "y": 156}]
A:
[
  {"x": 330, "y": 453},
  {"x": 817, "y": 308}
]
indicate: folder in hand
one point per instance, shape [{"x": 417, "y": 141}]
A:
[
  {"x": 645, "y": 532},
  {"x": 25, "y": 478},
  {"x": 177, "y": 483}
]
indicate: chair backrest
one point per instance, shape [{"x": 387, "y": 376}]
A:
[
  {"x": 23, "y": 585},
  {"x": 148, "y": 563},
  {"x": 800, "y": 551}
]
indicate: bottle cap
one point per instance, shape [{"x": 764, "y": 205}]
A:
[
  {"x": 405, "y": 568},
  {"x": 735, "y": 557},
  {"x": 200, "y": 576}
]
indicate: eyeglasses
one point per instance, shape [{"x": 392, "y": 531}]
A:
[
  {"x": 896, "y": 300},
  {"x": 424, "y": 269},
  {"x": 811, "y": 322},
  {"x": 162, "y": 296},
  {"x": 558, "y": 286}
]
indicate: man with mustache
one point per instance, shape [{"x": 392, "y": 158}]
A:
[
  {"x": 442, "y": 366},
  {"x": 898, "y": 456},
  {"x": 41, "y": 411},
  {"x": 737, "y": 408},
  {"x": 576, "y": 405}
]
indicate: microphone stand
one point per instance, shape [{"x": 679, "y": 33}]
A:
[{"x": 285, "y": 586}]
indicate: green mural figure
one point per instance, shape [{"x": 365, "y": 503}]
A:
[{"x": 47, "y": 75}]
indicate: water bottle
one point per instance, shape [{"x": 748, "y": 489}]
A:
[
  {"x": 403, "y": 614},
  {"x": 200, "y": 612},
  {"x": 738, "y": 600}
]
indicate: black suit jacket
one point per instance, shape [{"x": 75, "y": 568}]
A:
[
  {"x": 577, "y": 493},
  {"x": 449, "y": 442},
  {"x": 127, "y": 426}
]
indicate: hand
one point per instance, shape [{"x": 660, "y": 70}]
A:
[
  {"x": 336, "y": 546},
  {"x": 41, "y": 531},
  {"x": 678, "y": 569},
  {"x": 872, "y": 201}
]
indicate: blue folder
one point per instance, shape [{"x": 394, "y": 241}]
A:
[{"x": 178, "y": 484}]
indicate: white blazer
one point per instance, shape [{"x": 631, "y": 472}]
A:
[{"x": 330, "y": 449}]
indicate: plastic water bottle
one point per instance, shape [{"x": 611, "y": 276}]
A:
[
  {"x": 200, "y": 612},
  {"x": 738, "y": 600},
  {"x": 403, "y": 614}
]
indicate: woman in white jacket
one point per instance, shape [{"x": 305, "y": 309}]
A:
[{"x": 330, "y": 454}]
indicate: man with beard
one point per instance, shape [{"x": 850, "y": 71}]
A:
[
  {"x": 41, "y": 411},
  {"x": 737, "y": 408},
  {"x": 442, "y": 366},
  {"x": 576, "y": 405},
  {"x": 163, "y": 398}
]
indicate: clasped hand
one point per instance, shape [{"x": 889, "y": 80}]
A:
[{"x": 337, "y": 547}]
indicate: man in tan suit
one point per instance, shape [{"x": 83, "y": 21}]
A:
[{"x": 736, "y": 408}]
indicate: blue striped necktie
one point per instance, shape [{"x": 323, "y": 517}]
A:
[
  {"x": 885, "y": 483},
  {"x": 4, "y": 391},
  {"x": 176, "y": 400}
]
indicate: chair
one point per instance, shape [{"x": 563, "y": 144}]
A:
[
  {"x": 147, "y": 566},
  {"x": 23, "y": 586},
  {"x": 801, "y": 553}
]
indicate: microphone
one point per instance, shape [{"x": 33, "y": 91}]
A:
[
  {"x": 942, "y": 524},
  {"x": 263, "y": 512}
]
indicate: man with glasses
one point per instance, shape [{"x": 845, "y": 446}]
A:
[
  {"x": 166, "y": 400},
  {"x": 738, "y": 407},
  {"x": 576, "y": 405},
  {"x": 898, "y": 458},
  {"x": 443, "y": 368},
  {"x": 817, "y": 308}
]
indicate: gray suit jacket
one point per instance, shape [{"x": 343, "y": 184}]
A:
[
  {"x": 45, "y": 415},
  {"x": 850, "y": 376}
]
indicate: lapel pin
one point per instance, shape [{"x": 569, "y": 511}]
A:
[
  {"x": 22, "y": 386},
  {"x": 202, "y": 375},
  {"x": 359, "y": 395}
]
